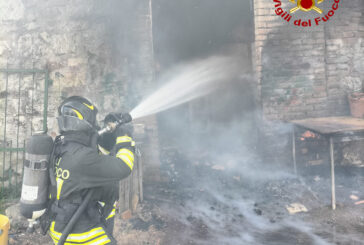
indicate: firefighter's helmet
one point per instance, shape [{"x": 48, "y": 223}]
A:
[{"x": 77, "y": 114}]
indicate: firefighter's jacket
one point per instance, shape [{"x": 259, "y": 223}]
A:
[{"x": 79, "y": 167}]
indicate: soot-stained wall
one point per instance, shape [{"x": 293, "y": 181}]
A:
[
  {"x": 100, "y": 50},
  {"x": 308, "y": 71},
  {"x": 305, "y": 71}
]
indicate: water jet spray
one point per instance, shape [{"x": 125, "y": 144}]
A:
[{"x": 186, "y": 83}]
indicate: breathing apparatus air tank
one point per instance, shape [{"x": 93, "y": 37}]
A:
[{"x": 34, "y": 194}]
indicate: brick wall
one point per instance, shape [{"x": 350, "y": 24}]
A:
[
  {"x": 345, "y": 54},
  {"x": 304, "y": 71}
]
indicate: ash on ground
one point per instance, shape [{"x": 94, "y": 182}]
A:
[
  {"x": 205, "y": 200},
  {"x": 209, "y": 201}
]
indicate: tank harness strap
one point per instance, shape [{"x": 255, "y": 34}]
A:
[
  {"x": 64, "y": 214},
  {"x": 49, "y": 215},
  {"x": 55, "y": 155},
  {"x": 63, "y": 210},
  {"x": 45, "y": 219}
]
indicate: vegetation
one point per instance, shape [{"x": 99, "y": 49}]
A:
[{"x": 7, "y": 196}]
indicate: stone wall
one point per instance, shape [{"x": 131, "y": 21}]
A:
[
  {"x": 72, "y": 39},
  {"x": 100, "y": 50},
  {"x": 63, "y": 37}
]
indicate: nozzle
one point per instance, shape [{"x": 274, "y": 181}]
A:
[{"x": 123, "y": 119}]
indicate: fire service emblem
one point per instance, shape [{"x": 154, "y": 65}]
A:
[
  {"x": 323, "y": 12},
  {"x": 306, "y": 5}
]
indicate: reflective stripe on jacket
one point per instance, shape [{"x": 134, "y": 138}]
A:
[{"x": 96, "y": 236}]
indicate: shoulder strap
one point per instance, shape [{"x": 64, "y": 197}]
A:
[
  {"x": 56, "y": 153},
  {"x": 45, "y": 219}
]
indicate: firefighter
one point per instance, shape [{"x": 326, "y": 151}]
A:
[{"x": 80, "y": 164}]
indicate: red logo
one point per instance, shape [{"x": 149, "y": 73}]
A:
[
  {"x": 306, "y": 5},
  {"x": 324, "y": 15}
]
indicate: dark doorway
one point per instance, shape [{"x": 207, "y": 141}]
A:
[{"x": 187, "y": 30}]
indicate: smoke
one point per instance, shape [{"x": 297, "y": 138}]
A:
[{"x": 226, "y": 192}]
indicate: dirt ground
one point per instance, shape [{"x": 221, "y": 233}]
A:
[{"x": 236, "y": 202}]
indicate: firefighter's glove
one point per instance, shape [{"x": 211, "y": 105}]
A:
[
  {"x": 124, "y": 129},
  {"x": 107, "y": 141},
  {"x": 112, "y": 117}
]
